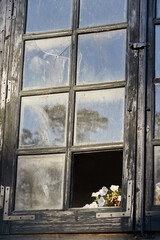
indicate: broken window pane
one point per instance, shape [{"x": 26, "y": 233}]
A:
[
  {"x": 157, "y": 52},
  {"x": 48, "y": 15},
  {"x": 157, "y": 174},
  {"x": 99, "y": 116},
  {"x": 46, "y": 63},
  {"x": 157, "y": 111},
  {"x": 101, "y": 57},
  {"x": 158, "y": 9},
  {"x": 40, "y": 182},
  {"x": 43, "y": 121},
  {"x": 100, "y": 12}
]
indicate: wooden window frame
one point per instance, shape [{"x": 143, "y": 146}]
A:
[
  {"x": 70, "y": 220},
  {"x": 152, "y": 211}
]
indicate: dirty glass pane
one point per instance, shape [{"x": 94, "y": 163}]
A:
[
  {"x": 99, "y": 116},
  {"x": 101, "y": 57},
  {"x": 157, "y": 51},
  {"x": 46, "y": 63},
  {"x": 157, "y": 110},
  {"x": 40, "y": 182},
  {"x": 158, "y": 9},
  {"x": 100, "y": 12},
  {"x": 43, "y": 121},
  {"x": 48, "y": 15},
  {"x": 157, "y": 175}
]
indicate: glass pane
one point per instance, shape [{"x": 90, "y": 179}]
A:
[
  {"x": 99, "y": 116},
  {"x": 157, "y": 52},
  {"x": 157, "y": 110},
  {"x": 40, "y": 182},
  {"x": 100, "y": 12},
  {"x": 43, "y": 121},
  {"x": 157, "y": 174},
  {"x": 48, "y": 15},
  {"x": 46, "y": 63},
  {"x": 101, "y": 57},
  {"x": 158, "y": 9}
]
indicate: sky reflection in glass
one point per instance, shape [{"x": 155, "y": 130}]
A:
[
  {"x": 49, "y": 15},
  {"x": 101, "y": 57},
  {"x": 40, "y": 182},
  {"x": 43, "y": 121},
  {"x": 157, "y": 51},
  {"x": 102, "y": 12},
  {"x": 46, "y": 63},
  {"x": 157, "y": 111},
  {"x": 158, "y": 9},
  {"x": 99, "y": 116}
]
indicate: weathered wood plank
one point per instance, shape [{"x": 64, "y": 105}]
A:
[
  {"x": 141, "y": 128},
  {"x": 71, "y": 237}
]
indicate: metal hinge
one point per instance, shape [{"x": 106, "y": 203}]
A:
[
  {"x": 13, "y": 217},
  {"x": 12, "y": 10},
  {"x": 127, "y": 213},
  {"x": 9, "y": 90},
  {"x": 6, "y": 92},
  {"x": 1, "y": 196}
]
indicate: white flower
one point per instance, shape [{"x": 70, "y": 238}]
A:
[
  {"x": 103, "y": 191},
  {"x": 119, "y": 198},
  {"x": 86, "y": 206},
  {"x": 114, "y": 188},
  {"x": 101, "y": 202},
  {"x": 92, "y": 205},
  {"x": 95, "y": 194}
]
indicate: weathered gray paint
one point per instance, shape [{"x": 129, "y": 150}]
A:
[{"x": 74, "y": 220}]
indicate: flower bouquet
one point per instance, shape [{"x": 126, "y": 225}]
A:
[{"x": 106, "y": 197}]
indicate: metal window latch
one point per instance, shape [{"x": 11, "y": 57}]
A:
[
  {"x": 1, "y": 196},
  {"x": 139, "y": 45}
]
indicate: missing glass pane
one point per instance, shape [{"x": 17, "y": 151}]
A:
[{"x": 92, "y": 171}]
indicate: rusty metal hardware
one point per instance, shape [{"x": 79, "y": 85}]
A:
[
  {"x": 139, "y": 45},
  {"x": 12, "y": 10},
  {"x": 9, "y": 89},
  {"x": 7, "y": 217},
  {"x": 1, "y": 196},
  {"x": 127, "y": 213}
]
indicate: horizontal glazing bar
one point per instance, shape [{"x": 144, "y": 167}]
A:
[
  {"x": 99, "y": 147},
  {"x": 44, "y": 92},
  {"x": 100, "y": 86}
]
